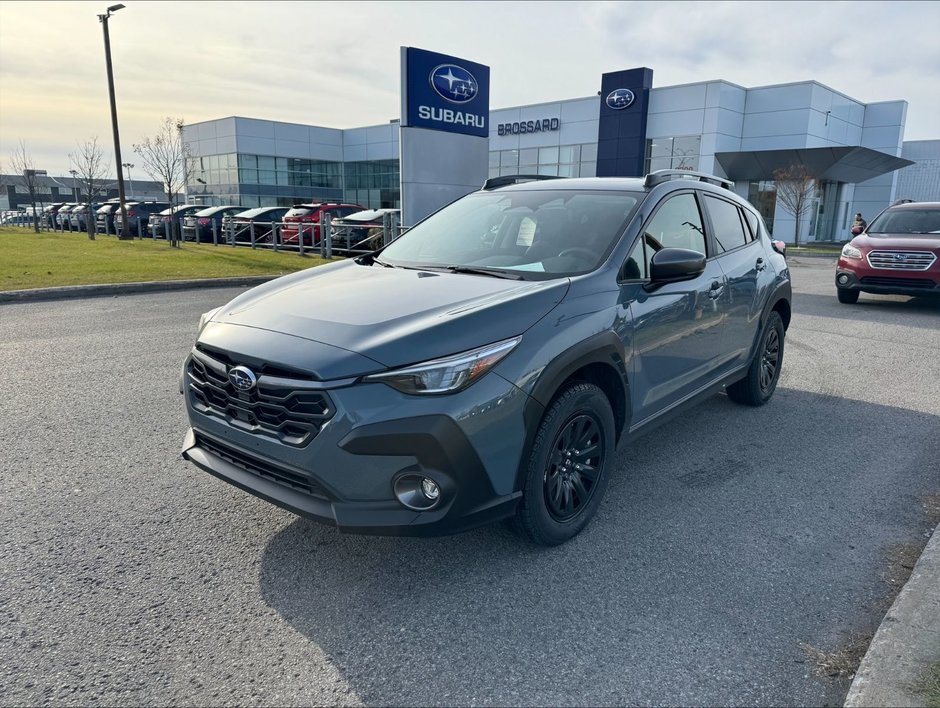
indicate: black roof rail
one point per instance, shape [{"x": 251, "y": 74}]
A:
[
  {"x": 497, "y": 182},
  {"x": 660, "y": 176},
  {"x": 902, "y": 201}
]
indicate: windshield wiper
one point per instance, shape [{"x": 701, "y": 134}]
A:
[{"x": 492, "y": 272}]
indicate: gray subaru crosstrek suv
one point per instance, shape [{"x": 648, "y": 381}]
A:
[{"x": 487, "y": 363}]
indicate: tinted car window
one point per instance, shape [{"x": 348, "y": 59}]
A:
[
  {"x": 298, "y": 211},
  {"x": 573, "y": 233},
  {"x": 677, "y": 224},
  {"x": 726, "y": 221},
  {"x": 907, "y": 221},
  {"x": 751, "y": 218}
]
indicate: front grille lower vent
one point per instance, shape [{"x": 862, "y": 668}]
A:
[
  {"x": 288, "y": 478},
  {"x": 282, "y": 408}
]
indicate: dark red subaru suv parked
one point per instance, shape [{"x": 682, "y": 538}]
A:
[{"x": 898, "y": 254}]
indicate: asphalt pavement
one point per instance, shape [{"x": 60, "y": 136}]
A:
[{"x": 729, "y": 540}]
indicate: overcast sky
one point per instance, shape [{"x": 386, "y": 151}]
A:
[{"x": 336, "y": 64}]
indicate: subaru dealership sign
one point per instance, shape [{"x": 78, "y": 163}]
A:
[{"x": 445, "y": 93}]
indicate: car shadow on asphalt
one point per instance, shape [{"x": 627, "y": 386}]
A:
[{"x": 727, "y": 537}]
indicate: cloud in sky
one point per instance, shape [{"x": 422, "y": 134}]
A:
[{"x": 337, "y": 64}]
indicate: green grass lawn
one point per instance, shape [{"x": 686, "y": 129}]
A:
[{"x": 31, "y": 260}]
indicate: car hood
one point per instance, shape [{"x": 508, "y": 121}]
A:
[
  {"x": 392, "y": 316},
  {"x": 921, "y": 242}
]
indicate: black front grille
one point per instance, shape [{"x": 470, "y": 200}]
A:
[
  {"x": 898, "y": 282},
  {"x": 260, "y": 468},
  {"x": 278, "y": 407}
]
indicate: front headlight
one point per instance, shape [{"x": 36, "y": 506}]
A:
[
  {"x": 849, "y": 251},
  {"x": 205, "y": 317},
  {"x": 447, "y": 375}
]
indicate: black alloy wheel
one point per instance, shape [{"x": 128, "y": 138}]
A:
[
  {"x": 571, "y": 474},
  {"x": 770, "y": 360},
  {"x": 567, "y": 465},
  {"x": 760, "y": 382}
]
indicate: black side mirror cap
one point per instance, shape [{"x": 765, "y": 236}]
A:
[{"x": 673, "y": 265}]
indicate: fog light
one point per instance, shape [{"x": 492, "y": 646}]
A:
[
  {"x": 417, "y": 492},
  {"x": 843, "y": 279},
  {"x": 430, "y": 489}
]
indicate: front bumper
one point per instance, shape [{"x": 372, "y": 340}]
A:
[
  {"x": 880, "y": 282},
  {"x": 470, "y": 443}
]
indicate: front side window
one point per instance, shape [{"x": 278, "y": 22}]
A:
[
  {"x": 535, "y": 234},
  {"x": 677, "y": 224}
]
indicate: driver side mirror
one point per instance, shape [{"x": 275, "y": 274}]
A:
[{"x": 673, "y": 265}]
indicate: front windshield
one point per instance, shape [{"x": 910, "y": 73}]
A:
[
  {"x": 907, "y": 221},
  {"x": 538, "y": 233}
]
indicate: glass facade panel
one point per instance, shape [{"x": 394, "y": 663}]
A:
[
  {"x": 589, "y": 152},
  {"x": 509, "y": 158},
  {"x": 569, "y": 153},
  {"x": 529, "y": 156},
  {"x": 494, "y": 159},
  {"x": 677, "y": 153},
  {"x": 548, "y": 156},
  {"x": 588, "y": 169}
]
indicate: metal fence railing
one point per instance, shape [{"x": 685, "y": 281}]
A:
[{"x": 324, "y": 239}]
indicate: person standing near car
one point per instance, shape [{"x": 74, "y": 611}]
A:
[{"x": 859, "y": 224}]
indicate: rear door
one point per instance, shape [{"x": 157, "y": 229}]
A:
[{"x": 743, "y": 261}]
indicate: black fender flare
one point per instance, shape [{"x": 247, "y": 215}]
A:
[{"x": 605, "y": 348}]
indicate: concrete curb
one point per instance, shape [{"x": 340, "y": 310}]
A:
[
  {"x": 74, "y": 291},
  {"x": 906, "y": 643}
]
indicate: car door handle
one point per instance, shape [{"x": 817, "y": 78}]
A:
[
  {"x": 715, "y": 291},
  {"x": 760, "y": 265}
]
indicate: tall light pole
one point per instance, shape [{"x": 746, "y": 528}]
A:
[
  {"x": 130, "y": 166},
  {"x": 114, "y": 121},
  {"x": 74, "y": 174}
]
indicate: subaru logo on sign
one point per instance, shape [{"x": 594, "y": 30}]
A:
[
  {"x": 619, "y": 99},
  {"x": 454, "y": 83},
  {"x": 242, "y": 378}
]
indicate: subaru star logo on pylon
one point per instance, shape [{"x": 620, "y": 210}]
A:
[
  {"x": 454, "y": 83},
  {"x": 621, "y": 98}
]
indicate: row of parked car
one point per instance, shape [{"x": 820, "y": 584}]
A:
[{"x": 202, "y": 224}]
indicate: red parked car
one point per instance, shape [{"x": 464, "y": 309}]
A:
[
  {"x": 897, "y": 254},
  {"x": 307, "y": 218}
]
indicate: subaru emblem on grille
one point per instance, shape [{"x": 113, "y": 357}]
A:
[
  {"x": 242, "y": 378},
  {"x": 900, "y": 256}
]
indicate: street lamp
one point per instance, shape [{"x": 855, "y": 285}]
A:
[
  {"x": 74, "y": 174},
  {"x": 129, "y": 166},
  {"x": 114, "y": 121}
]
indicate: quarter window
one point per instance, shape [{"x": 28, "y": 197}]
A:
[{"x": 726, "y": 221}]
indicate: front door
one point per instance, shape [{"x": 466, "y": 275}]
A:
[{"x": 678, "y": 328}]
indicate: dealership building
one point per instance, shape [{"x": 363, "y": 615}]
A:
[{"x": 856, "y": 150}]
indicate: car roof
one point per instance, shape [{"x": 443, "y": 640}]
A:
[{"x": 916, "y": 205}]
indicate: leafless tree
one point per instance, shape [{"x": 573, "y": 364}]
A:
[
  {"x": 796, "y": 186},
  {"x": 164, "y": 158},
  {"x": 91, "y": 170},
  {"x": 22, "y": 164}
]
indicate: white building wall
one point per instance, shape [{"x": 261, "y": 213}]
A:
[
  {"x": 882, "y": 130},
  {"x": 920, "y": 181}
]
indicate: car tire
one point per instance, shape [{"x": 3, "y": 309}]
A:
[
  {"x": 848, "y": 297},
  {"x": 560, "y": 495},
  {"x": 760, "y": 382}
]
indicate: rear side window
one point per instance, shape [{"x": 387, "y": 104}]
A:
[
  {"x": 298, "y": 211},
  {"x": 726, "y": 222},
  {"x": 752, "y": 223}
]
